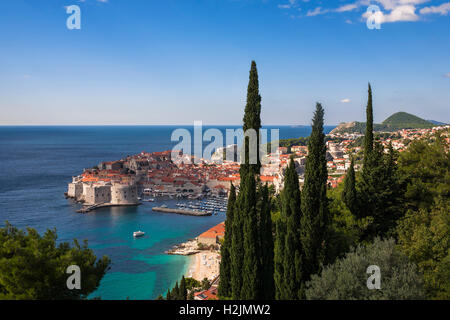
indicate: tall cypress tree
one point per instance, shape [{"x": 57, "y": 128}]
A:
[
  {"x": 368, "y": 138},
  {"x": 252, "y": 120},
  {"x": 349, "y": 195},
  {"x": 266, "y": 246},
  {"x": 288, "y": 254},
  {"x": 279, "y": 267},
  {"x": 250, "y": 225},
  {"x": 237, "y": 249},
  {"x": 252, "y": 276},
  {"x": 315, "y": 220},
  {"x": 225, "y": 250},
  {"x": 183, "y": 290},
  {"x": 175, "y": 294}
]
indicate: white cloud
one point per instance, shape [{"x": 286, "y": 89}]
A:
[
  {"x": 316, "y": 12},
  {"x": 284, "y": 6},
  {"x": 392, "y": 4},
  {"x": 400, "y": 13},
  {"x": 347, "y": 7},
  {"x": 346, "y": 100},
  {"x": 443, "y": 9}
]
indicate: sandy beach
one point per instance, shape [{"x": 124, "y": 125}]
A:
[{"x": 204, "y": 264}]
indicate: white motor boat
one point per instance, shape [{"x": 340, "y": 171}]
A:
[{"x": 137, "y": 234}]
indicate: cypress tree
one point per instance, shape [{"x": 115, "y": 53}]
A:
[
  {"x": 368, "y": 138},
  {"x": 237, "y": 249},
  {"x": 252, "y": 120},
  {"x": 381, "y": 193},
  {"x": 175, "y": 294},
  {"x": 266, "y": 246},
  {"x": 251, "y": 265},
  {"x": 279, "y": 267},
  {"x": 183, "y": 290},
  {"x": 225, "y": 250},
  {"x": 168, "y": 297},
  {"x": 289, "y": 248},
  {"x": 315, "y": 220},
  {"x": 349, "y": 195},
  {"x": 250, "y": 227}
]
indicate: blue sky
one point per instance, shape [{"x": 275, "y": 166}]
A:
[{"x": 176, "y": 61}]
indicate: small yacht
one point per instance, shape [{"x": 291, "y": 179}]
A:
[{"x": 138, "y": 234}]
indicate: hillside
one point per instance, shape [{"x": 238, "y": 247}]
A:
[
  {"x": 399, "y": 120},
  {"x": 403, "y": 120}
]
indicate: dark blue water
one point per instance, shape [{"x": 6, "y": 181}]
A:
[{"x": 38, "y": 162}]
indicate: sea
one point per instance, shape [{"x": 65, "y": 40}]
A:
[{"x": 37, "y": 163}]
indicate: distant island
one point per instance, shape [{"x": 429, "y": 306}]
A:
[{"x": 397, "y": 121}]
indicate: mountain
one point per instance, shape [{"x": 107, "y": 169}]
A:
[
  {"x": 437, "y": 123},
  {"x": 403, "y": 120},
  {"x": 397, "y": 121}
]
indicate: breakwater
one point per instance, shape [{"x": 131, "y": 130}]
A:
[{"x": 181, "y": 211}]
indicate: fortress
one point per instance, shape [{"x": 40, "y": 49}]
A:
[{"x": 94, "y": 193}]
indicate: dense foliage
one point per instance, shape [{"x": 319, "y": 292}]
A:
[
  {"x": 33, "y": 267},
  {"x": 347, "y": 277}
]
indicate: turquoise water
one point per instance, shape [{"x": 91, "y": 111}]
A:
[{"x": 38, "y": 162}]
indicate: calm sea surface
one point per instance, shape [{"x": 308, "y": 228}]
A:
[{"x": 38, "y": 162}]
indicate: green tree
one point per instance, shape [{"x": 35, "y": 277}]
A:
[
  {"x": 225, "y": 288},
  {"x": 251, "y": 268},
  {"x": 266, "y": 245},
  {"x": 205, "y": 284},
  {"x": 175, "y": 293},
  {"x": 315, "y": 218},
  {"x": 424, "y": 168},
  {"x": 346, "y": 278},
  {"x": 349, "y": 195},
  {"x": 368, "y": 137},
  {"x": 424, "y": 236},
  {"x": 288, "y": 254},
  {"x": 183, "y": 290},
  {"x": 33, "y": 267},
  {"x": 252, "y": 120},
  {"x": 381, "y": 193},
  {"x": 237, "y": 252}
]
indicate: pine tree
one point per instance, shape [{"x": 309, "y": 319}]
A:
[
  {"x": 183, "y": 290},
  {"x": 368, "y": 138},
  {"x": 349, "y": 195},
  {"x": 225, "y": 250},
  {"x": 315, "y": 220},
  {"x": 288, "y": 254}
]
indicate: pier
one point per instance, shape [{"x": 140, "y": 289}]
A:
[
  {"x": 181, "y": 211},
  {"x": 86, "y": 209}
]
